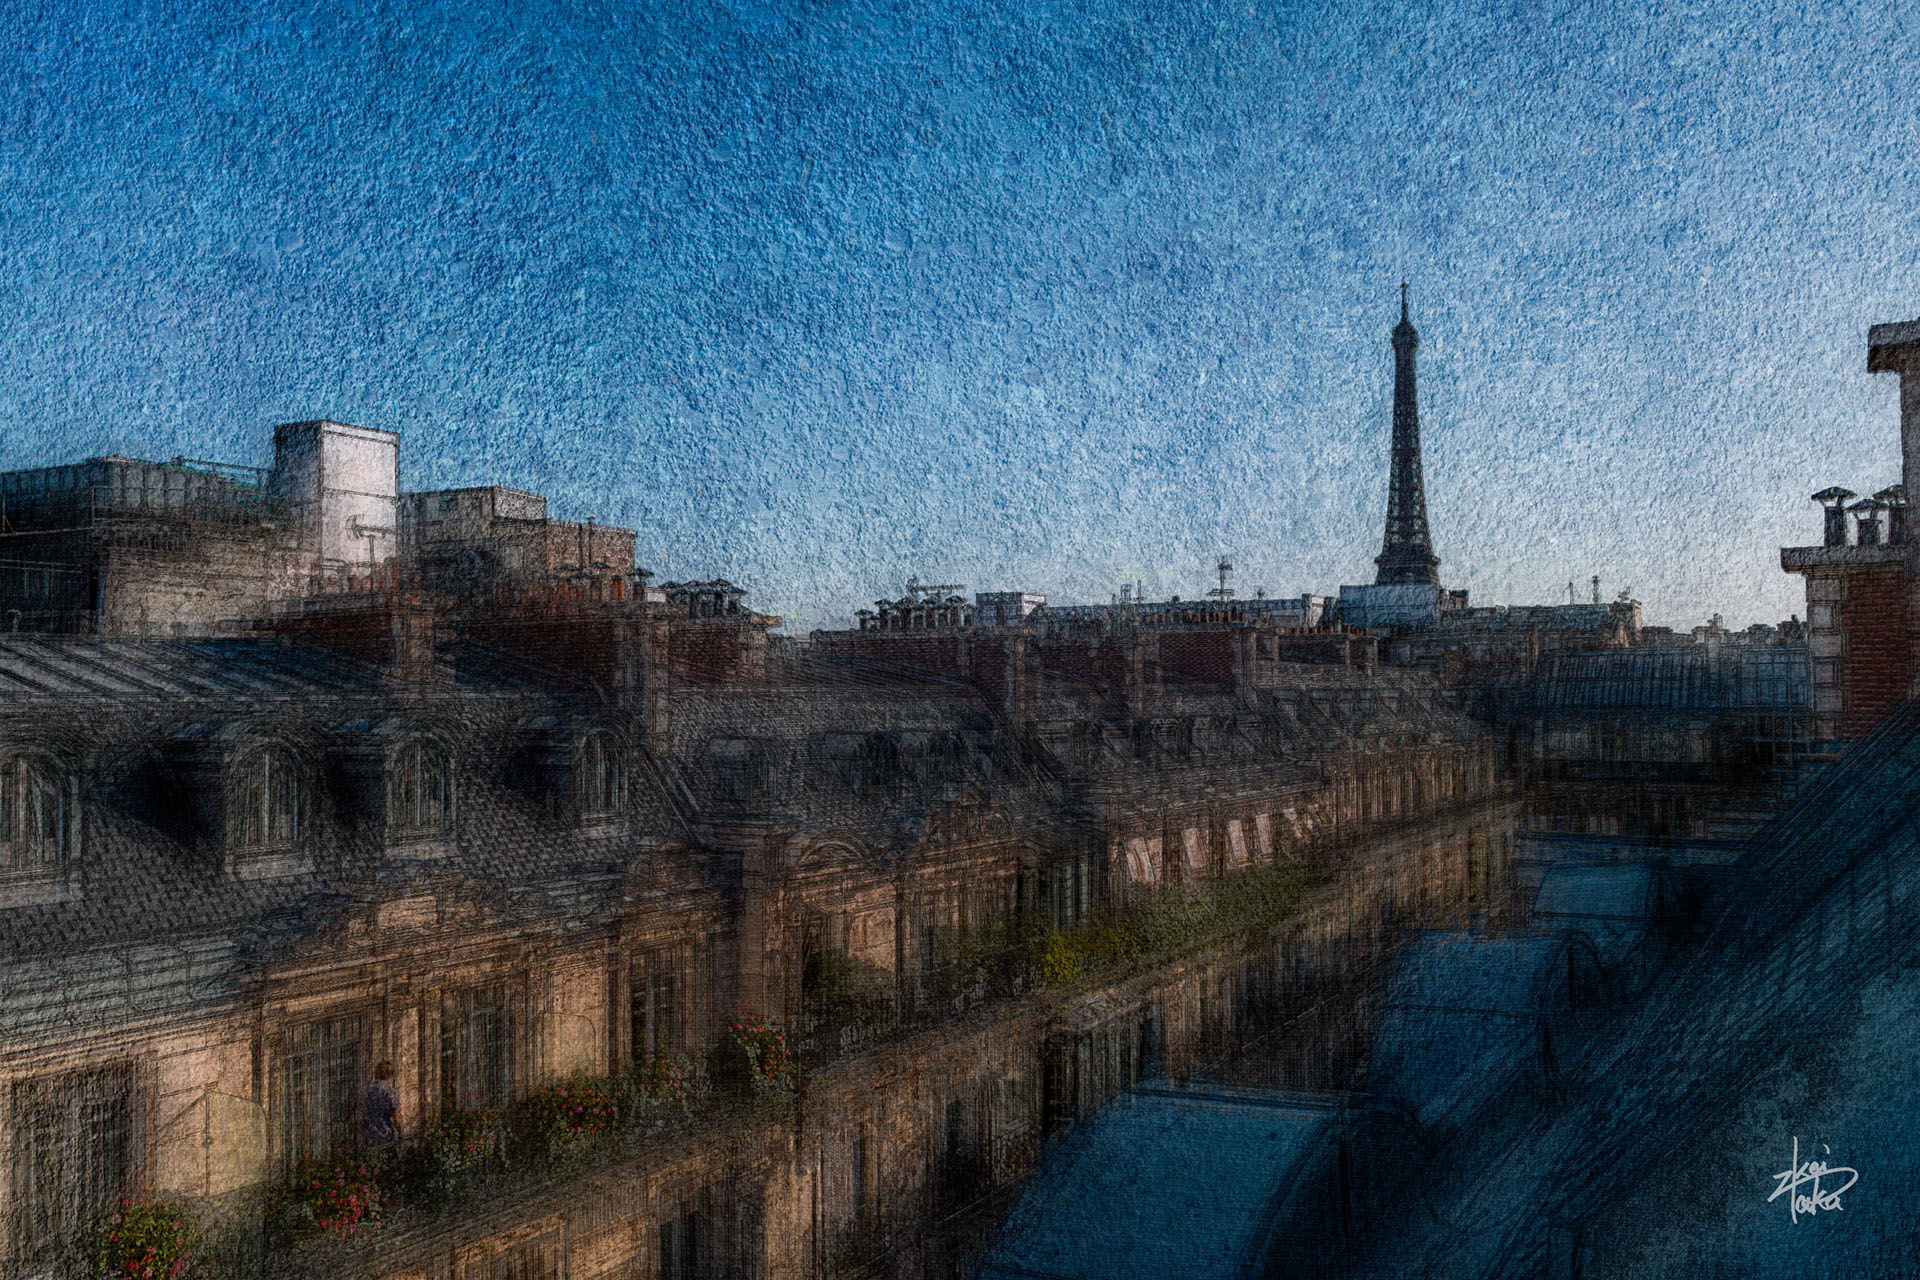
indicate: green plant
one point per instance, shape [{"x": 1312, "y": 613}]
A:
[
  {"x": 459, "y": 1150},
  {"x": 1060, "y": 961},
  {"x": 842, "y": 991},
  {"x": 568, "y": 1115},
  {"x": 465, "y": 1142},
  {"x": 1173, "y": 921},
  {"x": 668, "y": 1081},
  {"x": 994, "y": 959},
  {"x": 330, "y": 1197},
  {"x": 754, "y": 1058},
  {"x": 141, "y": 1239}
]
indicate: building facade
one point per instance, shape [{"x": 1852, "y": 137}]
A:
[
  {"x": 1861, "y": 619},
  {"x": 488, "y": 807}
]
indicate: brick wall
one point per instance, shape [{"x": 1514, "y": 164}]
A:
[
  {"x": 604, "y": 647},
  {"x": 1203, "y": 655},
  {"x": 395, "y": 634},
  {"x": 1874, "y": 669}
]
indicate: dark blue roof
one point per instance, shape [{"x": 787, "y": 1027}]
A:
[{"x": 1163, "y": 1183}]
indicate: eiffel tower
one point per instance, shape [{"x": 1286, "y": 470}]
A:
[{"x": 1406, "y": 557}]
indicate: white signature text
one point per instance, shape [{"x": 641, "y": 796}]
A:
[{"x": 1809, "y": 1175}]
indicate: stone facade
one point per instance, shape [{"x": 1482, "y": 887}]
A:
[
  {"x": 395, "y": 829},
  {"x": 486, "y": 815}
]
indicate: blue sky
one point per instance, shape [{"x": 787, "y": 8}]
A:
[{"x": 1023, "y": 296}]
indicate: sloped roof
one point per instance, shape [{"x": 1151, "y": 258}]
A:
[
  {"x": 1767, "y": 678},
  {"x": 1462, "y": 1009},
  {"x": 1163, "y": 1183},
  {"x": 74, "y": 665}
]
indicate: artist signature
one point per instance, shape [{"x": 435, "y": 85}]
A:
[{"x": 1801, "y": 1175}]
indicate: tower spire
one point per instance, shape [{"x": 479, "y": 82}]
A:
[{"x": 1406, "y": 556}]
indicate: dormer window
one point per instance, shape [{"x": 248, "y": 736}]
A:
[
  {"x": 599, "y": 775},
  {"x": 420, "y": 790},
  {"x": 239, "y": 795},
  {"x": 270, "y": 809},
  {"x": 36, "y": 816}
]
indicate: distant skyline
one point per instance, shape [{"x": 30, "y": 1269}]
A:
[{"x": 822, "y": 296}]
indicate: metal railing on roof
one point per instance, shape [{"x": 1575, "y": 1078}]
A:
[
  {"x": 250, "y": 477},
  {"x": 220, "y": 500},
  {"x": 220, "y": 503}
]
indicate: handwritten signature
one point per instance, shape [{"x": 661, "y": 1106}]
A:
[{"x": 1817, "y": 1197}]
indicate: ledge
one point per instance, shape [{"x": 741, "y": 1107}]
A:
[
  {"x": 1890, "y": 345},
  {"x": 28, "y": 890},
  {"x": 402, "y": 850},
  {"x": 1803, "y": 559},
  {"x": 268, "y": 864}
]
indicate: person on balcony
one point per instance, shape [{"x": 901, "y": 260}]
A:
[{"x": 380, "y": 1111}]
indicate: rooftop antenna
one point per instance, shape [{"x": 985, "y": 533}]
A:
[
  {"x": 1596, "y": 588},
  {"x": 1223, "y": 591}
]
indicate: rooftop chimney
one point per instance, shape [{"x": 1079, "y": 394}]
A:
[
  {"x": 1867, "y": 510},
  {"x": 1896, "y": 499},
  {"x": 1835, "y": 501}
]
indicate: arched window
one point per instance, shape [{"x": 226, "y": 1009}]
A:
[
  {"x": 36, "y": 815},
  {"x": 599, "y": 775},
  {"x": 420, "y": 790},
  {"x": 270, "y": 804}
]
